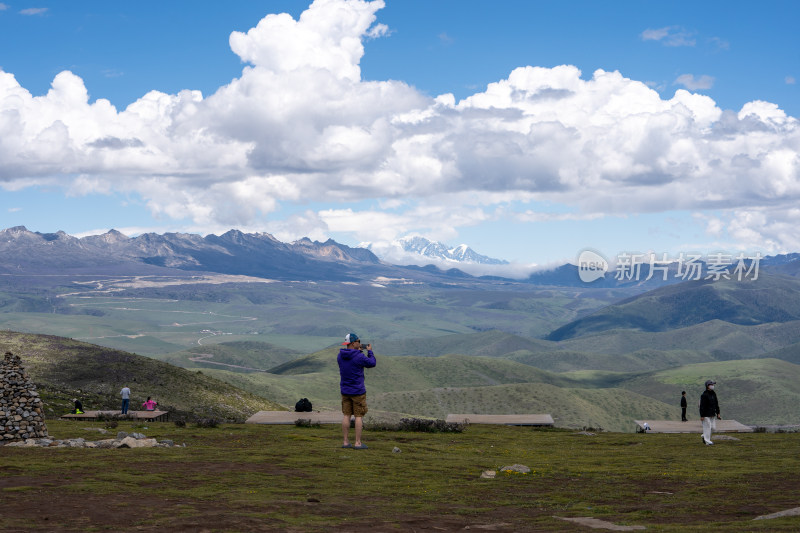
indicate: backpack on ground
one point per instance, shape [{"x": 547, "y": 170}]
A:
[{"x": 303, "y": 406}]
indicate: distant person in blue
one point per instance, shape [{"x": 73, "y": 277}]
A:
[
  {"x": 709, "y": 411},
  {"x": 126, "y": 399},
  {"x": 352, "y": 363}
]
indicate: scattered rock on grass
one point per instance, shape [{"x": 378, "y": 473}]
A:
[
  {"x": 522, "y": 469},
  {"x": 780, "y": 514},
  {"x": 122, "y": 441},
  {"x": 596, "y": 523}
]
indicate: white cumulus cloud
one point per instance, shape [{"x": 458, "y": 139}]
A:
[{"x": 301, "y": 126}]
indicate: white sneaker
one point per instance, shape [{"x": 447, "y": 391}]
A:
[{"x": 708, "y": 442}]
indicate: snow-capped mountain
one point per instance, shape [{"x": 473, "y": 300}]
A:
[{"x": 424, "y": 248}]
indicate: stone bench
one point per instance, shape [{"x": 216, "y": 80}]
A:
[
  {"x": 154, "y": 416},
  {"x": 289, "y": 417},
  {"x": 506, "y": 420},
  {"x": 691, "y": 426}
]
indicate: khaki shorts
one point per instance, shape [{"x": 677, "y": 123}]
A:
[{"x": 354, "y": 405}]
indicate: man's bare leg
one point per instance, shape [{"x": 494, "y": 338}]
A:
[
  {"x": 359, "y": 425},
  {"x": 346, "y": 430}
]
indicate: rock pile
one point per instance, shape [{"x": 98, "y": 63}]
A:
[
  {"x": 21, "y": 413},
  {"x": 123, "y": 440}
]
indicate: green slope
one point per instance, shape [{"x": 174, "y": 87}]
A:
[
  {"x": 492, "y": 343},
  {"x": 639, "y": 361},
  {"x": 713, "y": 336},
  {"x": 790, "y": 353},
  {"x": 610, "y": 409},
  {"x": 770, "y": 298},
  {"x": 64, "y": 368},
  {"x": 437, "y": 386},
  {"x": 239, "y": 356},
  {"x": 752, "y": 391},
  {"x": 316, "y": 376}
]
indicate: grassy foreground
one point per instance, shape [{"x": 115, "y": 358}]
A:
[{"x": 241, "y": 477}]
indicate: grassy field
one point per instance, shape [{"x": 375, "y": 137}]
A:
[{"x": 243, "y": 478}]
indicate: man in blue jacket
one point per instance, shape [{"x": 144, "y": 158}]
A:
[{"x": 352, "y": 363}]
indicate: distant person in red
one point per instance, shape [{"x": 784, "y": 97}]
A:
[
  {"x": 150, "y": 405},
  {"x": 352, "y": 363}
]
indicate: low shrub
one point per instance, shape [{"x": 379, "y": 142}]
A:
[
  {"x": 306, "y": 423},
  {"x": 422, "y": 425},
  {"x": 207, "y": 422}
]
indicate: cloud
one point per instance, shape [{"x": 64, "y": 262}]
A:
[
  {"x": 34, "y": 11},
  {"x": 692, "y": 83},
  {"x": 300, "y": 126},
  {"x": 14, "y": 209},
  {"x": 720, "y": 44},
  {"x": 3, "y": 6},
  {"x": 670, "y": 36},
  {"x": 789, "y": 80}
]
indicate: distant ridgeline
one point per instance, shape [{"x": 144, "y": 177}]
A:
[{"x": 21, "y": 414}]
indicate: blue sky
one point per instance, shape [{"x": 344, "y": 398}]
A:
[{"x": 528, "y": 130}]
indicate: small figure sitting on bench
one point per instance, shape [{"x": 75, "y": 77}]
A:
[
  {"x": 78, "y": 407},
  {"x": 150, "y": 405}
]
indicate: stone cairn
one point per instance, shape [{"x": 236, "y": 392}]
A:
[{"x": 21, "y": 413}]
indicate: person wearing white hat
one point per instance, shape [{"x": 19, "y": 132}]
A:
[
  {"x": 352, "y": 362},
  {"x": 709, "y": 411}
]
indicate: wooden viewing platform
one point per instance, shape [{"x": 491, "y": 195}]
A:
[
  {"x": 507, "y": 420},
  {"x": 692, "y": 426},
  {"x": 155, "y": 416},
  {"x": 289, "y": 417}
]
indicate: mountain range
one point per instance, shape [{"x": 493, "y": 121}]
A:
[
  {"x": 417, "y": 247},
  {"x": 251, "y": 254},
  {"x": 262, "y": 255}
]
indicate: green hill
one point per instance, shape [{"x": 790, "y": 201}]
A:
[
  {"x": 316, "y": 376},
  {"x": 64, "y": 369},
  {"x": 638, "y": 361},
  {"x": 789, "y": 353},
  {"x": 770, "y": 298},
  {"x": 491, "y": 343},
  {"x": 437, "y": 386},
  {"x": 238, "y": 356},
  {"x": 610, "y": 409},
  {"x": 752, "y": 391},
  {"x": 731, "y": 341}
]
